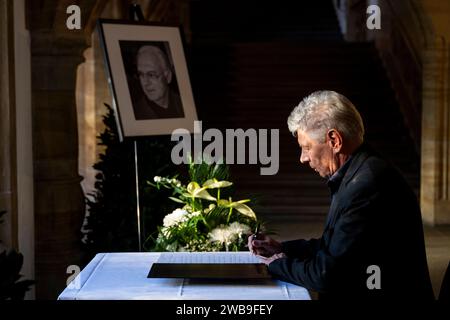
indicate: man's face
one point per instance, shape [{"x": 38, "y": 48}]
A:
[
  {"x": 319, "y": 156},
  {"x": 153, "y": 78}
]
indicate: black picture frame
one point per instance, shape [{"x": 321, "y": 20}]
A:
[{"x": 148, "y": 77}]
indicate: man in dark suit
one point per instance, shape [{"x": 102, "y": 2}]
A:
[{"x": 372, "y": 245}]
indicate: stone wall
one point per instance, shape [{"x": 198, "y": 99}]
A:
[{"x": 435, "y": 169}]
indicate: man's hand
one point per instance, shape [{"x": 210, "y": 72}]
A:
[
  {"x": 268, "y": 260},
  {"x": 263, "y": 246}
]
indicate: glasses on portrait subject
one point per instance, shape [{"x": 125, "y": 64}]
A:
[{"x": 149, "y": 75}]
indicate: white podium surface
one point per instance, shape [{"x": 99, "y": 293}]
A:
[{"x": 123, "y": 276}]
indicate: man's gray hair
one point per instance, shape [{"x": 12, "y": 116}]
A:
[
  {"x": 325, "y": 110},
  {"x": 153, "y": 51}
]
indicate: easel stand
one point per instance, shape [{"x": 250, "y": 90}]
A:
[
  {"x": 135, "y": 14},
  {"x": 138, "y": 211}
]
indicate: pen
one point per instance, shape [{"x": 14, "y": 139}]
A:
[{"x": 256, "y": 231}]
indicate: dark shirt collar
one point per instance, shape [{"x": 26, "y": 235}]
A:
[{"x": 335, "y": 180}]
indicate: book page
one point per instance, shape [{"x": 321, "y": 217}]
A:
[{"x": 208, "y": 257}]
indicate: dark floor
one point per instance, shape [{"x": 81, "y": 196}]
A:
[{"x": 437, "y": 240}]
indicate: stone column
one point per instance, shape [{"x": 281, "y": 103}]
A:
[
  {"x": 435, "y": 168},
  {"x": 59, "y": 203},
  {"x": 8, "y": 161}
]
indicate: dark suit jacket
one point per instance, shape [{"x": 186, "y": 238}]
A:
[
  {"x": 374, "y": 219},
  {"x": 145, "y": 109}
]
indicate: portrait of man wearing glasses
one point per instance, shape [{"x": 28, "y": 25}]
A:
[{"x": 157, "y": 98}]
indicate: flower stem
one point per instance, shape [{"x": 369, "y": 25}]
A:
[{"x": 206, "y": 223}]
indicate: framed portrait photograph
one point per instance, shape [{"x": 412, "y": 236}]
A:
[{"x": 148, "y": 77}]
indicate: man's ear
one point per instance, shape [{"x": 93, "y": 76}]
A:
[
  {"x": 168, "y": 76},
  {"x": 334, "y": 139}
]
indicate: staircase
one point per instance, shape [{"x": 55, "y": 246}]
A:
[
  {"x": 252, "y": 79},
  {"x": 222, "y": 21}
]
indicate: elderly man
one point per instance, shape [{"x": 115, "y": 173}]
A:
[
  {"x": 372, "y": 244},
  {"x": 159, "y": 100}
]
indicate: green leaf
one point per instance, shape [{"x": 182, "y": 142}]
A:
[
  {"x": 243, "y": 201},
  {"x": 176, "y": 200},
  {"x": 151, "y": 184}
]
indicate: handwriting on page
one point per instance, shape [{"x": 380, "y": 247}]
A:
[{"x": 200, "y": 257}]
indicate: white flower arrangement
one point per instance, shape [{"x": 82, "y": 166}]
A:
[{"x": 207, "y": 221}]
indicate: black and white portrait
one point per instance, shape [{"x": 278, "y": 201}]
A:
[
  {"x": 148, "y": 77},
  {"x": 151, "y": 79}
]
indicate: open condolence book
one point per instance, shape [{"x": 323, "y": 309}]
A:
[{"x": 207, "y": 265}]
